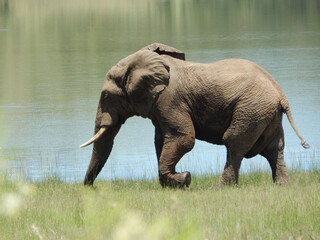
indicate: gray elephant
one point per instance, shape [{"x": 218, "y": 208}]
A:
[{"x": 232, "y": 102}]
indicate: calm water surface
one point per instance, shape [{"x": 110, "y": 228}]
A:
[{"x": 54, "y": 55}]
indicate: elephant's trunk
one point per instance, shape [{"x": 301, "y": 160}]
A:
[
  {"x": 101, "y": 150},
  {"x": 107, "y": 126}
]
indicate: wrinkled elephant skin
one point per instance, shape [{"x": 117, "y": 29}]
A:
[{"x": 232, "y": 102}]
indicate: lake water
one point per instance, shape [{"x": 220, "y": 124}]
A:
[{"x": 54, "y": 56}]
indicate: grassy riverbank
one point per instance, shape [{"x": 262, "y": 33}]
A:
[{"x": 256, "y": 209}]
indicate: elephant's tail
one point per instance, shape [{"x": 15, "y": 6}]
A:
[{"x": 286, "y": 109}]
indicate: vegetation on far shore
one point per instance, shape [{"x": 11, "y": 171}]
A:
[{"x": 256, "y": 209}]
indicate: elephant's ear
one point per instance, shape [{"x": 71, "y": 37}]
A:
[
  {"x": 146, "y": 77},
  {"x": 163, "y": 49}
]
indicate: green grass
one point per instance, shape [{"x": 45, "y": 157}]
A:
[{"x": 256, "y": 209}]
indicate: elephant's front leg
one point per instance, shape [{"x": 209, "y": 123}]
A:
[
  {"x": 158, "y": 142},
  {"x": 172, "y": 151}
]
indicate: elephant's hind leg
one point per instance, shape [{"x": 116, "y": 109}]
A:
[
  {"x": 274, "y": 154},
  {"x": 239, "y": 139},
  {"x": 230, "y": 173}
]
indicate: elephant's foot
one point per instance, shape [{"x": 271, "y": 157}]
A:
[
  {"x": 228, "y": 178},
  {"x": 224, "y": 183},
  {"x": 282, "y": 180},
  {"x": 218, "y": 186},
  {"x": 177, "y": 180},
  {"x": 280, "y": 175}
]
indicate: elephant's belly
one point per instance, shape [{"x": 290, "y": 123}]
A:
[
  {"x": 211, "y": 128},
  {"x": 210, "y": 136}
]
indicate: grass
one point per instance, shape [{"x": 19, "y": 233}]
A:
[{"x": 256, "y": 209}]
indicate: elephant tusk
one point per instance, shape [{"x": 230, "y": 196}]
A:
[{"x": 95, "y": 137}]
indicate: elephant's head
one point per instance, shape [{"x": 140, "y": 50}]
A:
[{"x": 130, "y": 88}]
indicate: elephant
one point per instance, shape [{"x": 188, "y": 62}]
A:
[{"x": 232, "y": 102}]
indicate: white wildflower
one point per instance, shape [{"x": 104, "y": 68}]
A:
[
  {"x": 11, "y": 204},
  {"x": 131, "y": 227}
]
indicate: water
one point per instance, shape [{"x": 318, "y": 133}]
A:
[{"x": 54, "y": 55}]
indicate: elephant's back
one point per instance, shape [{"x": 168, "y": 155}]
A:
[
  {"x": 244, "y": 72},
  {"x": 247, "y": 86},
  {"x": 244, "y": 78},
  {"x": 227, "y": 83}
]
